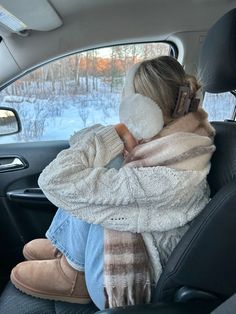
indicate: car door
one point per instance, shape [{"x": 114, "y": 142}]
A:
[{"x": 25, "y": 212}]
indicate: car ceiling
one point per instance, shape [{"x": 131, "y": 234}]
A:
[{"x": 59, "y": 27}]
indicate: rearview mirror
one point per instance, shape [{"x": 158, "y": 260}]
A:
[{"x": 9, "y": 121}]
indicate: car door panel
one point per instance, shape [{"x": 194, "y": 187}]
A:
[{"x": 24, "y": 210}]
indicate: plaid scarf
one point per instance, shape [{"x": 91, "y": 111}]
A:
[{"x": 187, "y": 144}]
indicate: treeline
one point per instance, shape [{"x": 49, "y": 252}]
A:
[
  {"x": 7, "y": 120},
  {"x": 102, "y": 69}
]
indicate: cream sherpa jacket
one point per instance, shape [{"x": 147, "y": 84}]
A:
[{"x": 129, "y": 199}]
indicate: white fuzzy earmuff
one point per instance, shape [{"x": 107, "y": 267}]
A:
[{"x": 139, "y": 113}]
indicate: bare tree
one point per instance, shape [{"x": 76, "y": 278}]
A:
[{"x": 83, "y": 110}]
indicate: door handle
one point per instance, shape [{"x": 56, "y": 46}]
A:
[
  {"x": 29, "y": 194},
  {"x": 10, "y": 163}
]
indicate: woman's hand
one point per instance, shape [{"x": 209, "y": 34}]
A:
[{"x": 128, "y": 139}]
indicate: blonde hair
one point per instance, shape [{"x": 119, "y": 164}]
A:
[{"x": 160, "y": 79}]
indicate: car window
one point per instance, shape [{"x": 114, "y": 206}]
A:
[
  {"x": 74, "y": 92},
  {"x": 219, "y": 106}
]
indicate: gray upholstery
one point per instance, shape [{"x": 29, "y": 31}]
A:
[
  {"x": 223, "y": 162},
  {"x": 13, "y": 301}
]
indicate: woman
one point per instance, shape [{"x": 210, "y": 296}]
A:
[{"x": 134, "y": 215}]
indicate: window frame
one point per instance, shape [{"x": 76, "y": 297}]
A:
[{"x": 174, "y": 54}]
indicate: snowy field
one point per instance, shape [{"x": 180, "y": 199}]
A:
[
  {"x": 56, "y": 118},
  {"x": 219, "y": 106},
  {"x": 47, "y": 120}
]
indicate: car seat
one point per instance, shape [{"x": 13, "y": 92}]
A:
[{"x": 203, "y": 265}]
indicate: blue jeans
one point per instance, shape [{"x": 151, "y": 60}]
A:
[{"x": 82, "y": 244}]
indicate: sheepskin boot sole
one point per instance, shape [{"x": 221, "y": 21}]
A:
[
  {"x": 51, "y": 280},
  {"x": 40, "y": 249}
]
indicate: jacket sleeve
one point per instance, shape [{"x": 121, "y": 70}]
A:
[
  {"x": 128, "y": 199},
  {"x": 78, "y": 174}
]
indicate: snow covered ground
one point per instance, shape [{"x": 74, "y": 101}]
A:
[
  {"x": 56, "y": 118},
  {"x": 219, "y": 106}
]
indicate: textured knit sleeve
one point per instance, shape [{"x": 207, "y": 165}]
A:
[{"x": 128, "y": 199}]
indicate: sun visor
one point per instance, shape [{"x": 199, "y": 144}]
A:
[{"x": 20, "y": 15}]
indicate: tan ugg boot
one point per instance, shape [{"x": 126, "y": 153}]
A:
[
  {"x": 40, "y": 249},
  {"x": 51, "y": 279}
]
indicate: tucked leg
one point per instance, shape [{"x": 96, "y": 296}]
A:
[
  {"x": 69, "y": 235},
  {"x": 94, "y": 265}
]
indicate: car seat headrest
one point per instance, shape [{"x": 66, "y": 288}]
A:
[{"x": 217, "y": 63}]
